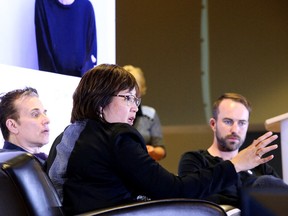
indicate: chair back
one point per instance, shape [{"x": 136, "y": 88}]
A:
[
  {"x": 166, "y": 207},
  {"x": 25, "y": 189}
]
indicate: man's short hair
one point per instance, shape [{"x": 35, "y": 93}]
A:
[
  {"x": 232, "y": 96},
  {"x": 8, "y": 109}
]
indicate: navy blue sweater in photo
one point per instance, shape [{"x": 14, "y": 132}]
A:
[{"x": 66, "y": 36}]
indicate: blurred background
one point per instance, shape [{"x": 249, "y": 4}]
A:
[{"x": 245, "y": 51}]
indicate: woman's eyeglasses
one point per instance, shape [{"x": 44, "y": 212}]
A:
[{"x": 130, "y": 99}]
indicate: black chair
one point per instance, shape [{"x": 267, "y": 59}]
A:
[
  {"x": 25, "y": 189},
  {"x": 166, "y": 207},
  {"x": 264, "y": 202}
]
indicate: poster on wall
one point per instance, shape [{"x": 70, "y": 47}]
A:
[
  {"x": 18, "y": 38},
  {"x": 55, "y": 92},
  {"x": 19, "y": 60}
]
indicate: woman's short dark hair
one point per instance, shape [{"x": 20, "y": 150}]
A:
[
  {"x": 232, "y": 96},
  {"x": 96, "y": 89},
  {"x": 8, "y": 109}
]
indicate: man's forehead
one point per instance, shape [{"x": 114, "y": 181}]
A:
[
  {"x": 231, "y": 104},
  {"x": 233, "y": 109},
  {"x": 28, "y": 102}
]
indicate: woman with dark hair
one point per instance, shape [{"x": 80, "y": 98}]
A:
[{"x": 101, "y": 160}]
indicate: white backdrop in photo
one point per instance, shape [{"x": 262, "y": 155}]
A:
[
  {"x": 55, "y": 92},
  {"x": 19, "y": 61},
  {"x": 18, "y": 40}
]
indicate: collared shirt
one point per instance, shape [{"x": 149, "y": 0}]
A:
[
  {"x": 148, "y": 124},
  {"x": 10, "y": 146}
]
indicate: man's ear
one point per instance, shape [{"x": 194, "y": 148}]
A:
[
  {"x": 11, "y": 124},
  {"x": 212, "y": 123}
]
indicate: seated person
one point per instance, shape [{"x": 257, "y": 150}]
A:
[
  {"x": 229, "y": 124},
  {"x": 147, "y": 121},
  {"x": 101, "y": 160},
  {"x": 24, "y": 123}
]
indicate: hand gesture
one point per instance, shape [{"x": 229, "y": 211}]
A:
[{"x": 252, "y": 156}]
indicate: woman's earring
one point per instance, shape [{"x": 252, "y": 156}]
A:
[{"x": 101, "y": 112}]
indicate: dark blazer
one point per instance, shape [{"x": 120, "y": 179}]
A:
[{"x": 109, "y": 165}]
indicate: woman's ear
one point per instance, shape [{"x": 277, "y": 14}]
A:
[{"x": 11, "y": 124}]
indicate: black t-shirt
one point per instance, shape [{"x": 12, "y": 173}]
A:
[{"x": 196, "y": 161}]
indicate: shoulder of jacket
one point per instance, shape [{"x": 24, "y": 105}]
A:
[{"x": 148, "y": 111}]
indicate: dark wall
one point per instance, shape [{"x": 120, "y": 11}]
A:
[
  {"x": 162, "y": 37},
  {"x": 248, "y": 54}
]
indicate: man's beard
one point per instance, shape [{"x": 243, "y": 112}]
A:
[{"x": 227, "y": 146}]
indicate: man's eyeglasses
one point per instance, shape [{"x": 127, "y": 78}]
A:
[{"x": 130, "y": 99}]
